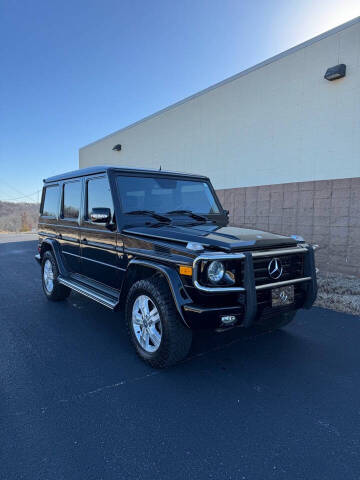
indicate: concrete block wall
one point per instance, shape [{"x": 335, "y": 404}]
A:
[{"x": 326, "y": 212}]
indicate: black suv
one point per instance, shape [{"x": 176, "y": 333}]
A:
[{"x": 158, "y": 244}]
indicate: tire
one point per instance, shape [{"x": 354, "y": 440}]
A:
[
  {"x": 277, "y": 322},
  {"x": 173, "y": 338},
  {"x": 54, "y": 291}
]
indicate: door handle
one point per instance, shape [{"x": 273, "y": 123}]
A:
[{"x": 84, "y": 241}]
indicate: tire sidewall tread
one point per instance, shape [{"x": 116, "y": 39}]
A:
[
  {"x": 176, "y": 337},
  {"x": 59, "y": 292}
]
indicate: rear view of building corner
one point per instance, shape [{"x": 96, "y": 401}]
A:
[{"x": 280, "y": 142}]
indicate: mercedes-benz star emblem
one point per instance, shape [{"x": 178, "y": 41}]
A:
[
  {"x": 283, "y": 297},
  {"x": 275, "y": 268}
]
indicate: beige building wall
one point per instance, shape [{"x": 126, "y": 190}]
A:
[{"x": 278, "y": 122}]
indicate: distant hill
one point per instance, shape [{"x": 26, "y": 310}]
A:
[{"x": 18, "y": 217}]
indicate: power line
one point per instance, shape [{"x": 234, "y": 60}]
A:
[
  {"x": 23, "y": 196},
  {"x": 10, "y": 186},
  {"x": 19, "y": 191}
]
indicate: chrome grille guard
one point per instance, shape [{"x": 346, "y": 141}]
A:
[{"x": 244, "y": 257}]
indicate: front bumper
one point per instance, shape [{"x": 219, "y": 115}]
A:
[{"x": 253, "y": 303}]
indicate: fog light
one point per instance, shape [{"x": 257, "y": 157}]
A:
[{"x": 228, "y": 319}]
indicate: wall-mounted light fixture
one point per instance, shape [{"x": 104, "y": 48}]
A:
[
  {"x": 117, "y": 147},
  {"x": 333, "y": 73}
]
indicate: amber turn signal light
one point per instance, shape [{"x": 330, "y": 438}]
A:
[{"x": 185, "y": 270}]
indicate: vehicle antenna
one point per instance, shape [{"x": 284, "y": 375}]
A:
[{"x": 160, "y": 169}]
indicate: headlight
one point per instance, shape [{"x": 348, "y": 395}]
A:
[{"x": 216, "y": 271}]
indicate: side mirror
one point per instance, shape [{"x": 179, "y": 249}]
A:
[
  {"x": 227, "y": 212},
  {"x": 100, "y": 215}
]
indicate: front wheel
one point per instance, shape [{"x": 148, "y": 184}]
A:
[{"x": 154, "y": 325}]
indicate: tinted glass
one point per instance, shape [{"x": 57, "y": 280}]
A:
[
  {"x": 72, "y": 198},
  {"x": 165, "y": 194},
  {"x": 51, "y": 201},
  {"x": 99, "y": 195}
]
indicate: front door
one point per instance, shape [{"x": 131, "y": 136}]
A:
[
  {"x": 68, "y": 226},
  {"x": 98, "y": 241}
]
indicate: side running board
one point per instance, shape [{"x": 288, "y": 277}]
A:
[{"x": 100, "y": 297}]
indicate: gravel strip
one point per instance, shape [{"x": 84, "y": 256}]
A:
[{"x": 339, "y": 292}]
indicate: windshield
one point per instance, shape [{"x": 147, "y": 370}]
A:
[{"x": 164, "y": 195}]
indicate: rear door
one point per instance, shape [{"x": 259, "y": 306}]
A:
[
  {"x": 98, "y": 242},
  {"x": 69, "y": 226}
]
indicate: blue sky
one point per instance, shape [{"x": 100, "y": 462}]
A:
[{"x": 74, "y": 71}]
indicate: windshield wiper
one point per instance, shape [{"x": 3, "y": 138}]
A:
[
  {"x": 190, "y": 213},
  {"x": 162, "y": 218}
]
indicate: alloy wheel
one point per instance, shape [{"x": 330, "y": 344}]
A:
[
  {"x": 48, "y": 276},
  {"x": 146, "y": 323}
]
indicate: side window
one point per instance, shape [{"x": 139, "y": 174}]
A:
[
  {"x": 51, "y": 201},
  {"x": 98, "y": 195},
  {"x": 71, "y": 200}
]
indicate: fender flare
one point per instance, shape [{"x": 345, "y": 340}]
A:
[
  {"x": 55, "y": 248},
  {"x": 173, "y": 279}
]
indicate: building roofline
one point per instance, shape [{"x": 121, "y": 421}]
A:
[
  {"x": 279, "y": 56},
  {"x": 105, "y": 168}
]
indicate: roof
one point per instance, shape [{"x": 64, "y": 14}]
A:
[
  {"x": 105, "y": 168},
  {"x": 305, "y": 44}
]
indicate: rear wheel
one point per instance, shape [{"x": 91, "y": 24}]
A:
[
  {"x": 53, "y": 290},
  {"x": 154, "y": 325}
]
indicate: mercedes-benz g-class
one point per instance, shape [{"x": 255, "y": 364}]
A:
[{"x": 157, "y": 244}]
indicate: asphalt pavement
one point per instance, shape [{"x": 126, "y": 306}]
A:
[{"x": 76, "y": 402}]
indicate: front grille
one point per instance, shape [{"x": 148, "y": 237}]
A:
[{"x": 293, "y": 267}]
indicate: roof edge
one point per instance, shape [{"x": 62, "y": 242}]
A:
[
  {"x": 98, "y": 169},
  {"x": 230, "y": 79}
]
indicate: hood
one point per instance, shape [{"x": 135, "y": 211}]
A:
[{"x": 213, "y": 236}]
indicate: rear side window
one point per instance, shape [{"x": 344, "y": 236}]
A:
[
  {"x": 71, "y": 200},
  {"x": 99, "y": 195},
  {"x": 51, "y": 201}
]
